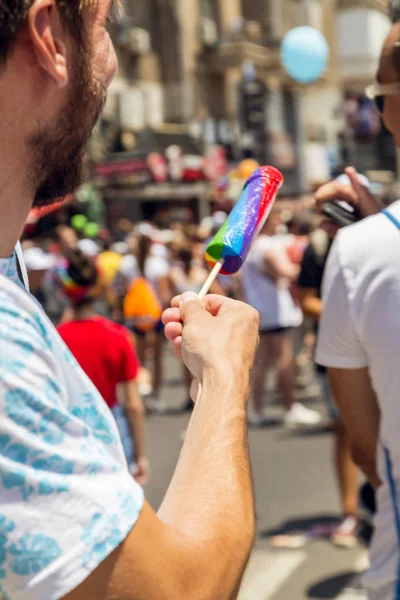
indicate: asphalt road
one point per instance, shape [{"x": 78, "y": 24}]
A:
[{"x": 295, "y": 490}]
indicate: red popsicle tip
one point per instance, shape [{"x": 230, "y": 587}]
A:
[
  {"x": 273, "y": 174},
  {"x": 267, "y": 172}
]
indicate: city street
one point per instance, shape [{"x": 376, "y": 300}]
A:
[
  {"x": 154, "y": 152},
  {"x": 294, "y": 490}
]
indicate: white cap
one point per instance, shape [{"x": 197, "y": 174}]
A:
[
  {"x": 89, "y": 247},
  {"x": 120, "y": 247},
  {"x": 159, "y": 251},
  {"x": 207, "y": 223},
  {"x": 219, "y": 218},
  {"x": 37, "y": 260},
  {"x": 166, "y": 236},
  {"x": 145, "y": 229}
]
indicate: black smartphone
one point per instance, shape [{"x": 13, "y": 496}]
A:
[{"x": 341, "y": 213}]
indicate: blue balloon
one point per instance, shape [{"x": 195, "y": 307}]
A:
[{"x": 305, "y": 54}]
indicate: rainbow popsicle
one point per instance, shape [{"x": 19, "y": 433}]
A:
[{"x": 233, "y": 241}]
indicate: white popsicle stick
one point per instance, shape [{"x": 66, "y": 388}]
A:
[{"x": 211, "y": 278}]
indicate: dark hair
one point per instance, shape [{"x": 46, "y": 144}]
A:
[
  {"x": 304, "y": 222},
  {"x": 81, "y": 268},
  {"x": 186, "y": 257},
  {"x": 13, "y": 14},
  {"x": 143, "y": 251},
  {"x": 107, "y": 244},
  {"x": 394, "y": 10}
]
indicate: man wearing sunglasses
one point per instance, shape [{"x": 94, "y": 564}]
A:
[
  {"x": 385, "y": 92},
  {"x": 377, "y": 92},
  {"x": 360, "y": 333}
]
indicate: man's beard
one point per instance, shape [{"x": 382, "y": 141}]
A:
[{"x": 57, "y": 150}]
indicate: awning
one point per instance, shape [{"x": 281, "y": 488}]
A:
[
  {"x": 160, "y": 157},
  {"x": 37, "y": 213},
  {"x": 159, "y": 192}
]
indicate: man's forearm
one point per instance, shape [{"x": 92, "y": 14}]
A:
[
  {"x": 355, "y": 397},
  {"x": 210, "y": 499}
]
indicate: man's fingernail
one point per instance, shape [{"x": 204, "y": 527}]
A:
[{"x": 188, "y": 297}]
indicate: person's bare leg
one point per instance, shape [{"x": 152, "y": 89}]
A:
[
  {"x": 347, "y": 475},
  {"x": 258, "y": 376},
  {"x": 158, "y": 366},
  {"x": 283, "y": 349},
  {"x": 346, "y": 471},
  {"x": 141, "y": 346}
]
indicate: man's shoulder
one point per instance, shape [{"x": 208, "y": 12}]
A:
[
  {"x": 24, "y": 329},
  {"x": 370, "y": 239},
  {"x": 261, "y": 245},
  {"x": 16, "y": 301},
  {"x": 99, "y": 325}
]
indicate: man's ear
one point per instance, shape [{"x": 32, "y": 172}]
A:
[{"x": 49, "y": 51}]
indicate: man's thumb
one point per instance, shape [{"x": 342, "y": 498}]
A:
[
  {"x": 190, "y": 306},
  {"x": 359, "y": 187}
]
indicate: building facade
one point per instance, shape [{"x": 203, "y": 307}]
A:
[{"x": 210, "y": 70}]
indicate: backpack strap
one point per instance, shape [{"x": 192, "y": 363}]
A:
[{"x": 392, "y": 218}]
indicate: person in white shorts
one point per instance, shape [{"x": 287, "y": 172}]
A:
[
  {"x": 267, "y": 276},
  {"x": 359, "y": 340}
]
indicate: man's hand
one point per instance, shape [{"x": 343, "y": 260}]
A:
[
  {"x": 202, "y": 538},
  {"x": 208, "y": 335},
  {"x": 356, "y": 194},
  {"x": 141, "y": 471}
]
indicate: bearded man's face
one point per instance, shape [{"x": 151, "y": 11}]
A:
[{"x": 57, "y": 149}]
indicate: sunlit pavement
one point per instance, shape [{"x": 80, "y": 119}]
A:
[{"x": 294, "y": 490}]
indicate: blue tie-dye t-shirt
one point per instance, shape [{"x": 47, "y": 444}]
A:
[{"x": 67, "y": 499}]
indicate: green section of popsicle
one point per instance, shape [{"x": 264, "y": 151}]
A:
[{"x": 216, "y": 247}]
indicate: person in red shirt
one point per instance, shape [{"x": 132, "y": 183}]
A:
[{"x": 106, "y": 353}]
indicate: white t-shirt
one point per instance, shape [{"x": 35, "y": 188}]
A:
[
  {"x": 272, "y": 299},
  {"x": 67, "y": 499},
  {"x": 360, "y": 327}
]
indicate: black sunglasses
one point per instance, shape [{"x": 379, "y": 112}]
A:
[
  {"x": 379, "y": 102},
  {"x": 377, "y": 93}
]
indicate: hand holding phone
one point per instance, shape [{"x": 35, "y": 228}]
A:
[{"x": 341, "y": 213}]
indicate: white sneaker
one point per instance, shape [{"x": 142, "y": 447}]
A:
[
  {"x": 300, "y": 416},
  {"x": 255, "y": 419},
  {"x": 345, "y": 534},
  {"x": 156, "y": 406},
  {"x": 145, "y": 389}
]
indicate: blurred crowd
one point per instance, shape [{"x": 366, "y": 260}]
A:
[
  {"x": 106, "y": 294},
  {"x": 140, "y": 268}
]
